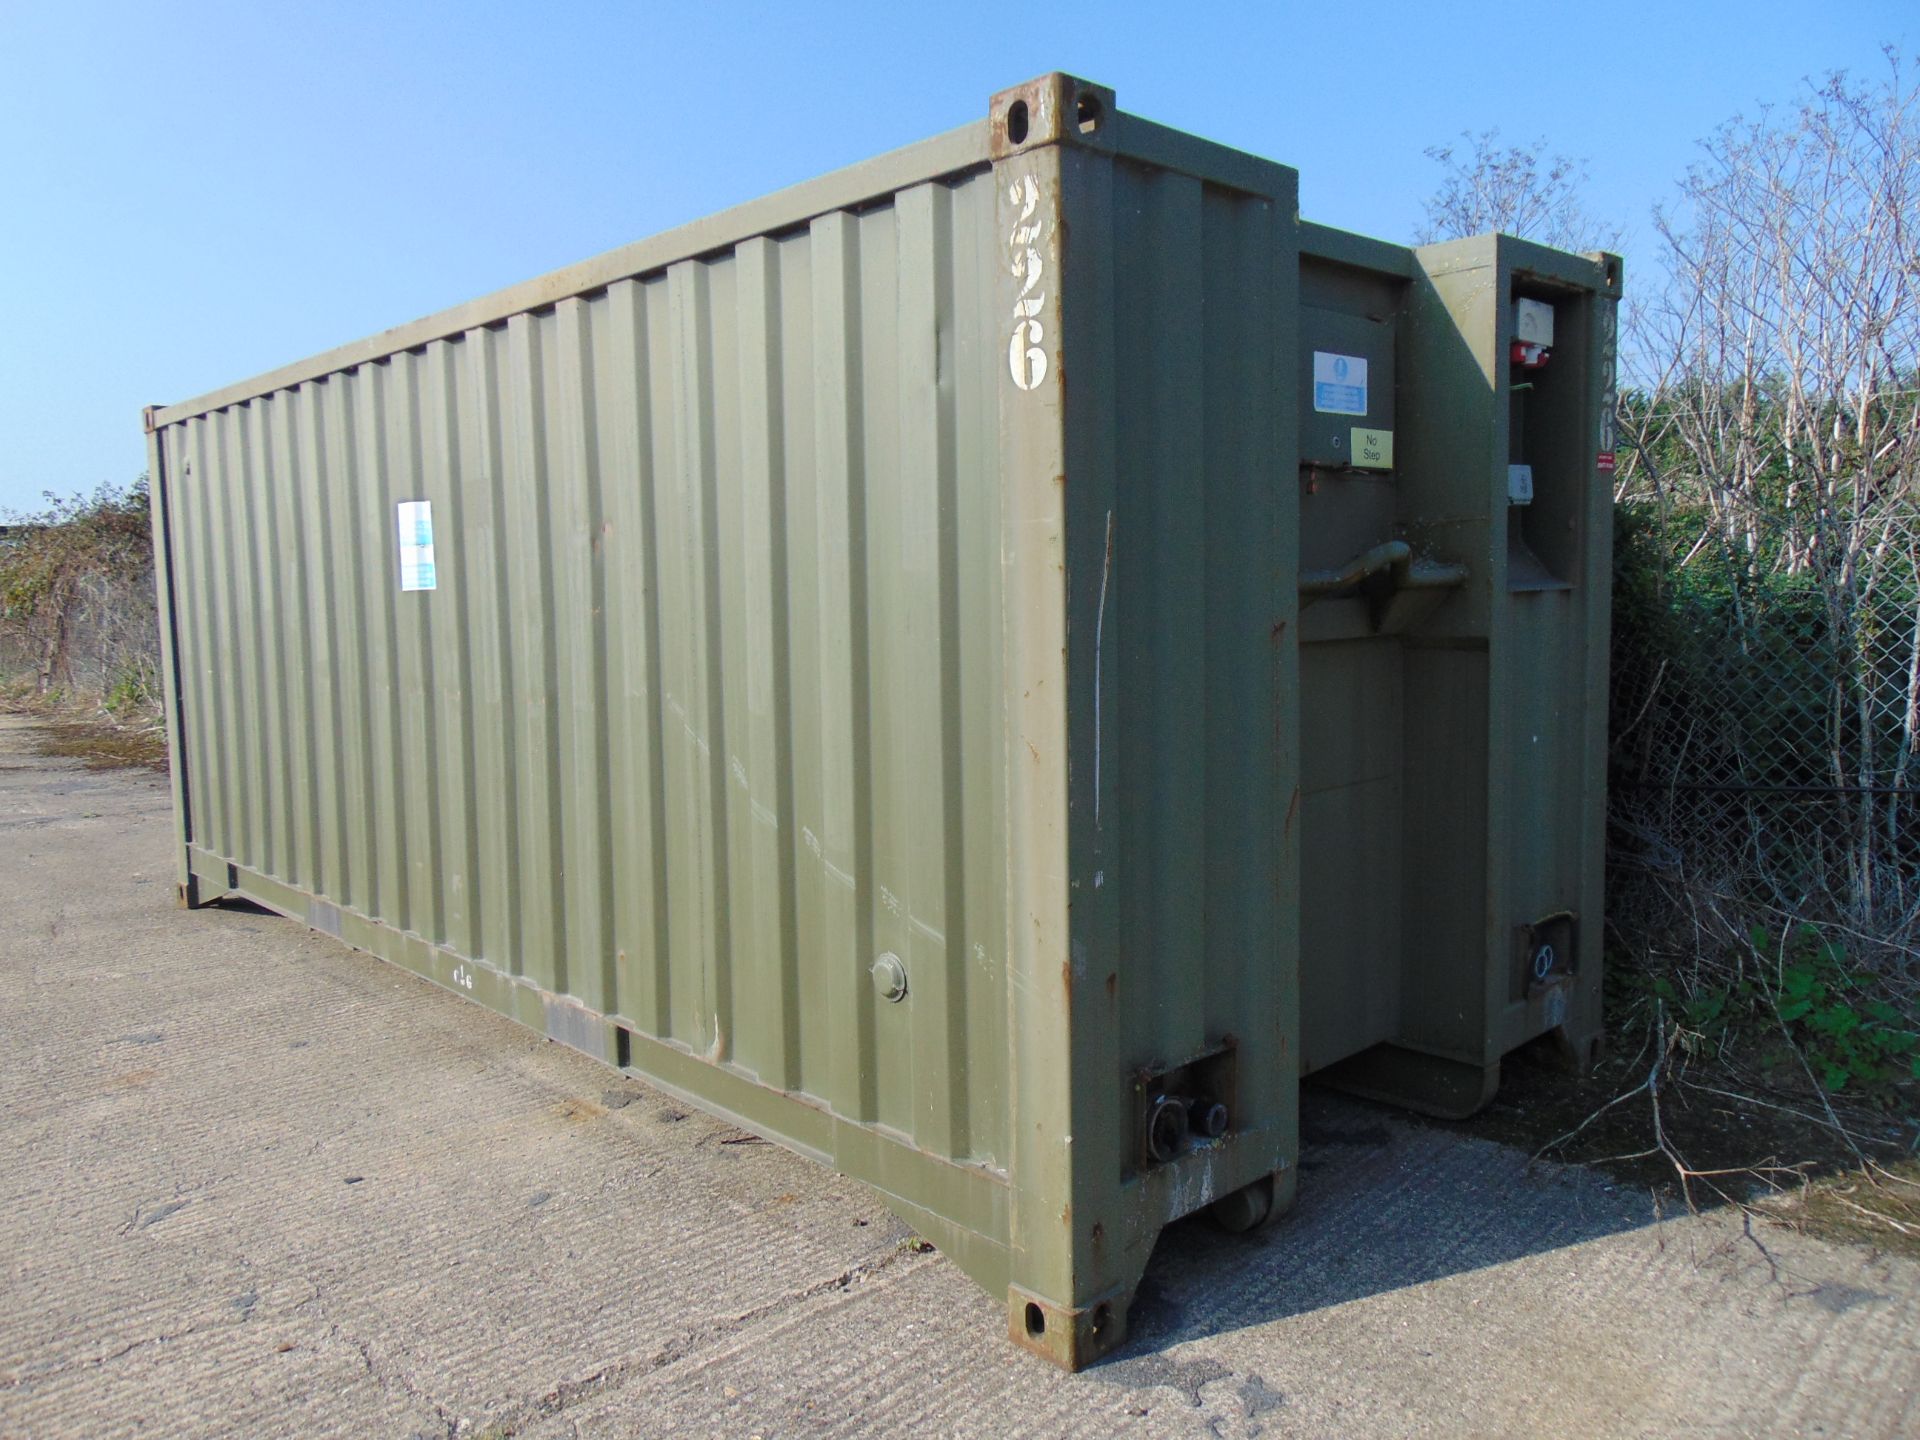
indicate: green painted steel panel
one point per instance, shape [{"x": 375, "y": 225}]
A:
[
  {"x": 881, "y": 679},
  {"x": 1491, "y": 689}
]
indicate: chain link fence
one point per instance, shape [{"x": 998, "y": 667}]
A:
[{"x": 1765, "y": 719}]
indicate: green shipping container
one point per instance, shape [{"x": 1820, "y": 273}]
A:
[{"x": 880, "y": 663}]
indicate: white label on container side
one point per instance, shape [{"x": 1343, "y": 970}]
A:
[
  {"x": 415, "y": 523},
  {"x": 1339, "y": 383}
]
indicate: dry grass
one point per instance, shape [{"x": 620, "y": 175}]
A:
[
  {"x": 83, "y": 729},
  {"x": 1875, "y": 1205},
  {"x": 106, "y": 744}
]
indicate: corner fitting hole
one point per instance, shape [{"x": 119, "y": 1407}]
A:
[
  {"x": 1102, "y": 1313},
  {"x": 1017, "y": 135},
  {"x": 1036, "y": 1320},
  {"x": 1087, "y": 114}
]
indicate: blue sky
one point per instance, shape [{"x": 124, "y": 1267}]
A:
[{"x": 193, "y": 193}]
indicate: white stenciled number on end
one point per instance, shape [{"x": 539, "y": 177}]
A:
[
  {"x": 1609, "y": 354},
  {"x": 1026, "y": 357},
  {"x": 463, "y": 977}
]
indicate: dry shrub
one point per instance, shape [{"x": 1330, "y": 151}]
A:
[{"x": 77, "y": 609}]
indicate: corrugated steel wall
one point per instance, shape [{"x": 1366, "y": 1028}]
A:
[
  {"x": 706, "y": 712},
  {"x": 1200, "y": 470},
  {"x": 1181, "y": 565}
]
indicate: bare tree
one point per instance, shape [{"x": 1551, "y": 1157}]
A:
[
  {"x": 1779, "y": 419},
  {"x": 1516, "y": 189}
]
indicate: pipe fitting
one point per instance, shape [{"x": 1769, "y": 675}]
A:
[
  {"x": 1166, "y": 1128},
  {"x": 1209, "y": 1119}
]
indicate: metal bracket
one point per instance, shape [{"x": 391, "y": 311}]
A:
[
  {"x": 1546, "y": 953},
  {"x": 1177, "y": 1107}
]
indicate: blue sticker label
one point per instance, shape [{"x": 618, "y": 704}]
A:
[{"x": 1339, "y": 383}]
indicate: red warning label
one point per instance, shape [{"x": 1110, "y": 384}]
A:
[{"x": 1604, "y": 462}]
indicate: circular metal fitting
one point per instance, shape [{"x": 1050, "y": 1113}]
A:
[
  {"x": 1210, "y": 1118},
  {"x": 890, "y": 977},
  {"x": 1544, "y": 960},
  {"x": 1245, "y": 1209},
  {"x": 1166, "y": 1127}
]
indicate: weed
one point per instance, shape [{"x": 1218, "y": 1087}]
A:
[
  {"x": 1850, "y": 1032},
  {"x": 1806, "y": 998},
  {"x": 132, "y": 693}
]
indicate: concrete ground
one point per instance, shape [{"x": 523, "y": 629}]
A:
[{"x": 256, "y": 1184}]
